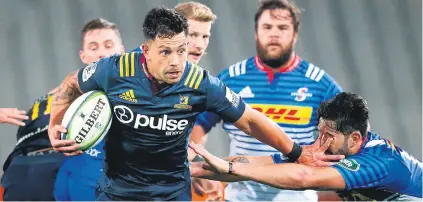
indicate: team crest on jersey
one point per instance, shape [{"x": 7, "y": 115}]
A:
[
  {"x": 301, "y": 94},
  {"x": 183, "y": 103},
  {"x": 89, "y": 71},
  {"x": 349, "y": 164}
]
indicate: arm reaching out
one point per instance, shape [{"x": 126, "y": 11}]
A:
[{"x": 13, "y": 116}]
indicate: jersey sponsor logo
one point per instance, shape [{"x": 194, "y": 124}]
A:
[
  {"x": 37, "y": 131},
  {"x": 232, "y": 97},
  {"x": 183, "y": 103},
  {"x": 172, "y": 126},
  {"x": 93, "y": 152},
  {"x": 41, "y": 152},
  {"x": 349, "y": 164},
  {"x": 288, "y": 114},
  {"x": 88, "y": 71},
  {"x": 128, "y": 96},
  {"x": 301, "y": 94}
]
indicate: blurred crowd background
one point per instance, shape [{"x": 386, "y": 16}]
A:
[{"x": 371, "y": 47}]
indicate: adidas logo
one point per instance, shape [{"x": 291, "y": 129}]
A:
[
  {"x": 129, "y": 96},
  {"x": 246, "y": 93}
]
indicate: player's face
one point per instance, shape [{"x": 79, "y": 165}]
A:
[
  {"x": 198, "y": 39},
  {"x": 100, "y": 43},
  {"x": 340, "y": 144},
  {"x": 166, "y": 58},
  {"x": 275, "y": 36}
]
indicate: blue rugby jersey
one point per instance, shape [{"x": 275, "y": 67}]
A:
[
  {"x": 380, "y": 171},
  {"x": 146, "y": 147},
  {"x": 290, "y": 98}
]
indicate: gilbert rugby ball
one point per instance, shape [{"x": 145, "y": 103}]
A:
[{"x": 88, "y": 119}]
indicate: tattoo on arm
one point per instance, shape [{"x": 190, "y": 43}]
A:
[
  {"x": 240, "y": 160},
  {"x": 68, "y": 91}
]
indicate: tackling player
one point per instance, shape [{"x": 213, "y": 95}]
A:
[
  {"x": 374, "y": 168},
  {"x": 146, "y": 147},
  {"x": 279, "y": 84},
  {"x": 13, "y": 116},
  {"x": 77, "y": 177}
]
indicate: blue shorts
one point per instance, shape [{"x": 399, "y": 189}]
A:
[
  {"x": 31, "y": 178},
  {"x": 77, "y": 179}
]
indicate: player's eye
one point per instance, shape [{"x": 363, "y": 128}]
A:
[
  {"x": 192, "y": 35},
  {"x": 181, "y": 51},
  {"x": 206, "y": 36},
  {"x": 164, "y": 52}
]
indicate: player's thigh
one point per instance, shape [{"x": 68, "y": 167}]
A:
[
  {"x": 82, "y": 188},
  {"x": 61, "y": 186}
]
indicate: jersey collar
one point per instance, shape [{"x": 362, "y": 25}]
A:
[{"x": 270, "y": 74}]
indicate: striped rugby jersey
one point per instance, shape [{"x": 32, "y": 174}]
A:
[{"x": 290, "y": 98}]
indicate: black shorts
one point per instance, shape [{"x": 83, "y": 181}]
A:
[{"x": 30, "y": 178}]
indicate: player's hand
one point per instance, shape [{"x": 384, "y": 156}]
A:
[
  {"x": 13, "y": 116},
  {"x": 215, "y": 163},
  {"x": 212, "y": 188},
  {"x": 68, "y": 147},
  {"x": 314, "y": 155}
]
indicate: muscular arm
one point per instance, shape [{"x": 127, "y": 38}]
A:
[
  {"x": 64, "y": 95},
  {"x": 292, "y": 176},
  {"x": 259, "y": 126},
  {"x": 202, "y": 170}
]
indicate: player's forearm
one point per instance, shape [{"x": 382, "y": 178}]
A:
[
  {"x": 198, "y": 136},
  {"x": 64, "y": 95},
  {"x": 286, "y": 176},
  {"x": 263, "y": 129}
]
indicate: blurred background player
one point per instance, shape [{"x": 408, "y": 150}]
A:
[
  {"x": 31, "y": 168},
  {"x": 13, "y": 116},
  {"x": 77, "y": 177},
  {"x": 374, "y": 169},
  {"x": 281, "y": 85}
]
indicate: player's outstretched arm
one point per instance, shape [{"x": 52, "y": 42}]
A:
[
  {"x": 285, "y": 175},
  {"x": 67, "y": 92},
  {"x": 259, "y": 126},
  {"x": 13, "y": 116}
]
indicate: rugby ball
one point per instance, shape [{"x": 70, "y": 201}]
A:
[{"x": 88, "y": 119}]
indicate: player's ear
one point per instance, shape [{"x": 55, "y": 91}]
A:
[
  {"x": 356, "y": 137},
  {"x": 82, "y": 56},
  {"x": 145, "y": 51},
  {"x": 295, "y": 37}
]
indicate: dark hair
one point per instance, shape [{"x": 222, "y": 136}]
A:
[
  {"x": 279, "y": 4},
  {"x": 348, "y": 111},
  {"x": 164, "y": 23},
  {"x": 99, "y": 23}
]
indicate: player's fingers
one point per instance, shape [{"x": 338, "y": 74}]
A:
[
  {"x": 19, "y": 116},
  {"x": 73, "y": 153},
  {"x": 199, "y": 189},
  {"x": 331, "y": 157},
  {"x": 325, "y": 144},
  {"x": 64, "y": 145},
  {"x": 60, "y": 128},
  {"x": 324, "y": 163},
  {"x": 14, "y": 122}
]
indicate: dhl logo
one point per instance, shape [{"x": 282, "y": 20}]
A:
[{"x": 288, "y": 114}]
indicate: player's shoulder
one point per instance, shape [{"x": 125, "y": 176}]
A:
[
  {"x": 120, "y": 65},
  {"x": 237, "y": 69},
  {"x": 315, "y": 73},
  {"x": 194, "y": 77}
]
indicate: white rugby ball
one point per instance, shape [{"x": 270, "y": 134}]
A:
[{"x": 88, "y": 119}]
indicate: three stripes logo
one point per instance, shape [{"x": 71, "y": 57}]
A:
[
  {"x": 127, "y": 65},
  {"x": 195, "y": 76},
  {"x": 129, "y": 96}
]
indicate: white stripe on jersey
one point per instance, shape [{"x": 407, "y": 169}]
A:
[{"x": 243, "y": 66}]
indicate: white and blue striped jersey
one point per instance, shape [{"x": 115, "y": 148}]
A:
[{"x": 290, "y": 98}]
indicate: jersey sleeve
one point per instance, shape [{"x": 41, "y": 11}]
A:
[
  {"x": 333, "y": 87},
  {"x": 207, "y": 120},
  {"x": 222, "y": 100},
  {"x": 364, "y": 171},
  {"x": 96, "y": 75}
]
